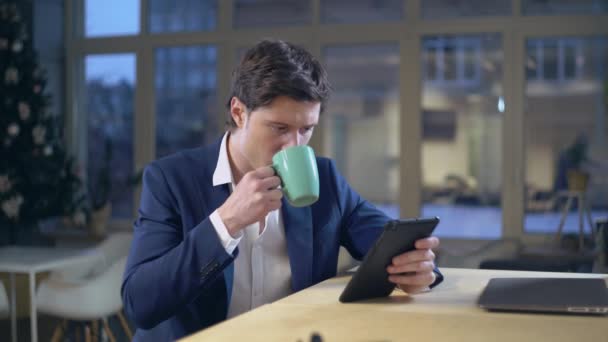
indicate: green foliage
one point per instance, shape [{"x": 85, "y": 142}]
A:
[{"x": 100, "y": 186}]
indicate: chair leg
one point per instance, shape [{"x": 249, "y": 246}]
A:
[
  {"x": 125, "y": 325},
  {"x": 77, "y": 332},
  {"x": 95, "y": 330},
  {"x": 58, "y": 332},
  {"x": 87, "y": 333},
  {"x": 106, "y": 327}
]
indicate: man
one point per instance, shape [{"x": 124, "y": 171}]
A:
[{"x": 216, "y": 238}]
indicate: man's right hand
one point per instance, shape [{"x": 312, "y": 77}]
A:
[{"x": 253, "y": 198}]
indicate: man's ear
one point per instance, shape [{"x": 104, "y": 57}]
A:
[{"x": 238, "y": 112}]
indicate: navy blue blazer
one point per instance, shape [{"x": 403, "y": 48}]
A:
[{"x": 178, "y": 278}]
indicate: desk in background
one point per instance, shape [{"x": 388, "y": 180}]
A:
[{"x": 448, "y": 313}]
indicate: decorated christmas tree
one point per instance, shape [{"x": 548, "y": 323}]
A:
[{"x": 37, "y": 177}]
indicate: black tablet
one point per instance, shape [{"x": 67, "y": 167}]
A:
[{"x": 398, "y": 237}]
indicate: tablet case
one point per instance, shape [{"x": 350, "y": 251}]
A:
[{"x": 371, "y": 278}]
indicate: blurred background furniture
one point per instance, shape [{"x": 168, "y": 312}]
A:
[
  {"x": 89, "y": 293},
  {"x": 583, "y": 210},
  {"x": 31, "y": 261}
]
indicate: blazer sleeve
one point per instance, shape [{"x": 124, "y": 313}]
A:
[
  {"x": 361, "y": 222},
  {"x": 165, "y": 269}
]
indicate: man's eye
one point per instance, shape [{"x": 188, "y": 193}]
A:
[
  {"x": 307, "y": 129},
  {"x": 279, "y": 129}
]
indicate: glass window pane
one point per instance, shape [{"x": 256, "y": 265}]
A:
[
  {"x": 110, "y": 84},
  {"x": 111, "y": 17},
  {"x": 550, "y": 61},
  {"x": 186, "y": 82},
  {"x": 557, "y": 59},
  {"x": 267, "y": 13},
  {"x": 430, "y": 59},
  {"x": 437, "y": 9},
  {"x": 362, "y": 119},
  {"x": 182, "y": 15},
  {"x": 548, "y": 7},
  {"x": 451, "y": 61},
  {"x": 462, "y": 134},
  {"x": 565, "y": 115},
  {"x": 569, "y": 61},
  {"x": 361, "y": 11}
]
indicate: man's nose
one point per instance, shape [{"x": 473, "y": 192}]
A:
[{"x": 295, "y": 139}]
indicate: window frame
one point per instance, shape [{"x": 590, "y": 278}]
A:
[{"x": 515, "y": 29}]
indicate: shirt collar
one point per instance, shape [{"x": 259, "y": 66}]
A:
[{"x": 223, "y": 172}]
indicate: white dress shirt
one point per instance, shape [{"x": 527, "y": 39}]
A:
[{"x": 262, "y": 273}]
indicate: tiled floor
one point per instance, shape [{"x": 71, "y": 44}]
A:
[{"x": 46, "y": 326}]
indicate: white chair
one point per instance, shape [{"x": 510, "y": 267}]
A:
[{"x": 88, "y": 293}]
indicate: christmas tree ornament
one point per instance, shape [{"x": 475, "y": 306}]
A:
[
  {"x": 39, "y": 133},
  {"x": 24, "y": 111},
  {"x": 13, "y": 130},
  {"x": 17, "y": 46},
  {"x": 11, "y": 76},
  {"x": 48, "y": 150},
  {"x": 5, "y": 184},
  {"x": 11, "y": 207}
]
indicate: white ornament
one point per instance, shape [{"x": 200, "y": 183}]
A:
[
  {"x": 24, "y": 111},
  {"x": 11, "y": 75},
  {"x": 79, "y": 218},
  {"x": 17, "y": 46},
  {"x": 13, "y": 129},
  {"x": 48, "y": 150},
  {"x": 5, "y": 183},
  {"x": 11, "y": 207},
  {"x": 38, "y": 133}
]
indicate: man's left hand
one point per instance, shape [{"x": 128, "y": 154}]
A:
[{"x": 413, "y": 271}]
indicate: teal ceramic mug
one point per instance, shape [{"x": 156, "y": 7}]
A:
[{"x": 297, "y": 168}]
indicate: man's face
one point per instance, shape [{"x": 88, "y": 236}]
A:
[{"x": 265, "y": 131}]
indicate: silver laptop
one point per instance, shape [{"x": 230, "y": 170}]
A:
[{"x": 557, "y": 295}]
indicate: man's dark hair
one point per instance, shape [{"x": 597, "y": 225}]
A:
[{"x": 274, "y": 68}]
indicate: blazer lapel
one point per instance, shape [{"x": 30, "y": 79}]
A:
[{"x": 298, "y": 232}]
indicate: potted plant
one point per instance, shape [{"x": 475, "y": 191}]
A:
[{"x": 99, "y": 192}]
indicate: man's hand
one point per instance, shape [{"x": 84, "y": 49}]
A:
[
  {"x": 413, "y": 271},
  {"x": 252, "y": 199}
]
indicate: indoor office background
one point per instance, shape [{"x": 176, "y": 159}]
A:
[{"x": 457, "y": 109}]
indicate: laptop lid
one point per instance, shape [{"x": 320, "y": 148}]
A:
[{"x": 559, "y": 295}]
